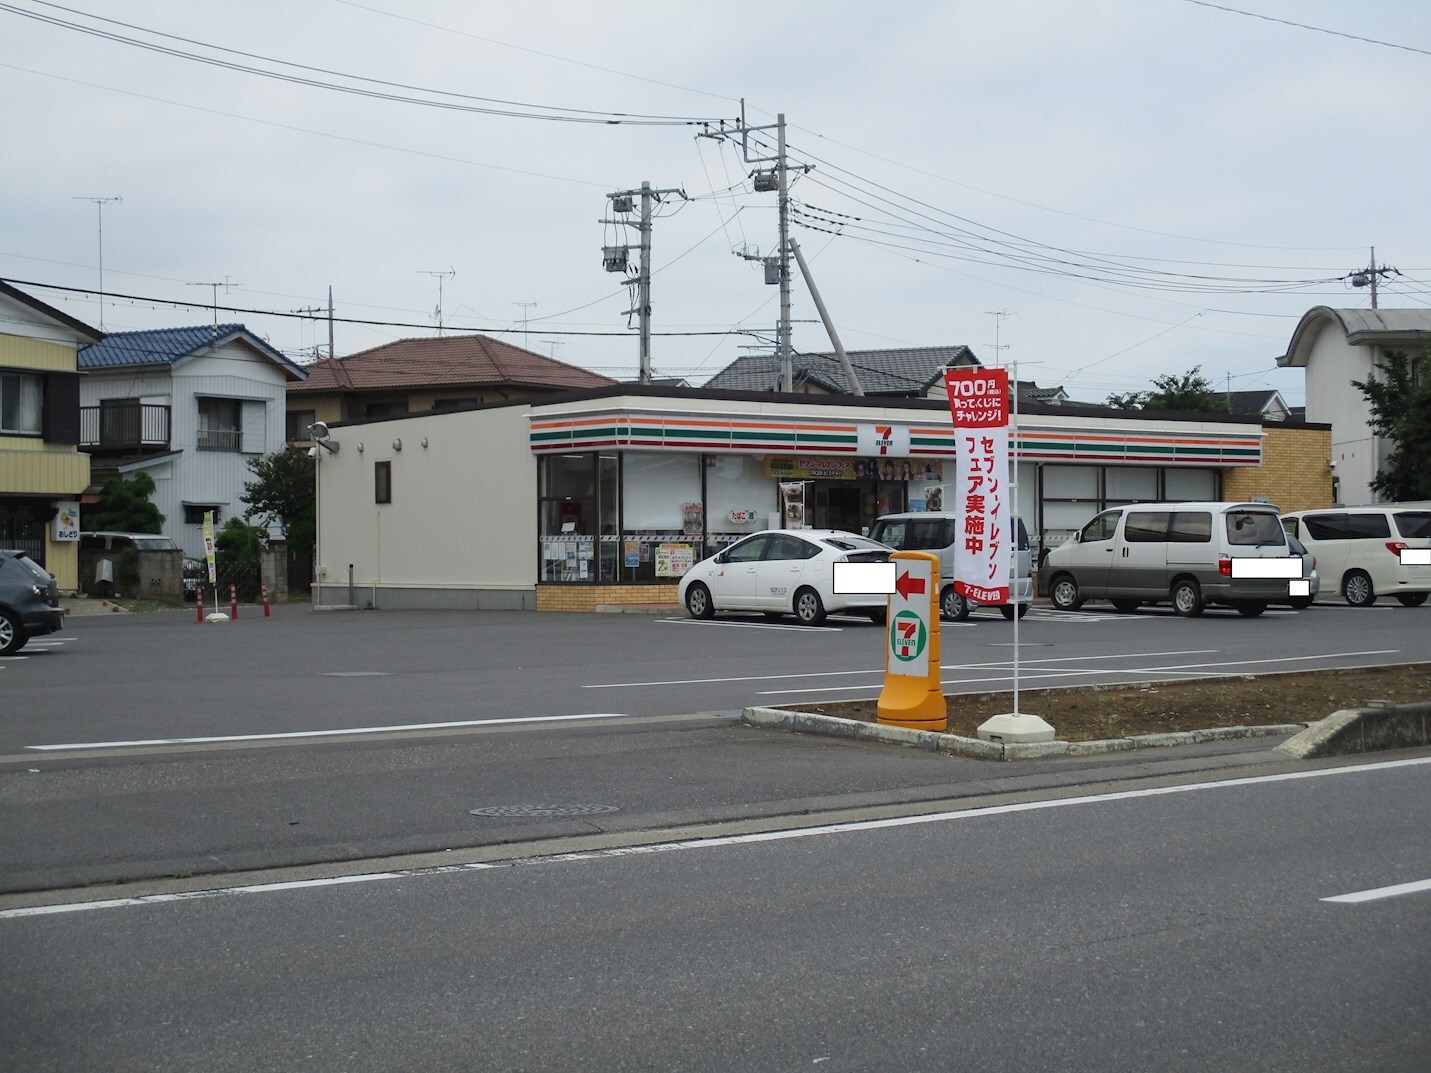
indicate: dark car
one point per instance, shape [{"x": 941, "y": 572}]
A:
[{"x": 29, "y": 602}]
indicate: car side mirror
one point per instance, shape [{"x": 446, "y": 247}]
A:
[{"x": 722, "y": 558}]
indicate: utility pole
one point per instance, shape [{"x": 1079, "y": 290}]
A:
[
  {"x": 100, "y": 203},
  {"x": 614, "y": 258},
  {"x": 765, "y": 180},
  {"x": 854, "y": 381},
  {"x": 450, "y": 273},
  {"x": 1368, "y": 276}
]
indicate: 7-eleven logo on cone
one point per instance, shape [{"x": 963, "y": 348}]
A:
[{"x": 907, "y": 636}]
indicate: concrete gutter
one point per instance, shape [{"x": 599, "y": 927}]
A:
[
  {"x": 1377, "y": 726},
  {"x": 977, "y": 749}
]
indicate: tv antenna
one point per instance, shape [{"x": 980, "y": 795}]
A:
[
  {"x": 449, "y": 274},
  {"x": 99, "y": 204}
]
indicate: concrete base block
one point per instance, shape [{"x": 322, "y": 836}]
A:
[
  {"x": 216, "y": 616},
  {"x": 1010, "y": 729}
]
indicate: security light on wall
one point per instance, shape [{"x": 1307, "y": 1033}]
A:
[{"x": 321, "y": 436}]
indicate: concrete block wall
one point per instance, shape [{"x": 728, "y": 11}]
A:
[
  {"x": 1293, "y": 473},
  {"x": 588, "y": 597}
]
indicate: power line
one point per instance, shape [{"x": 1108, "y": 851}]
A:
[
  {"x": 296, "y": 315},
  {"x": 1305, "y": 26},
  {"x": 457, "y": 102}
]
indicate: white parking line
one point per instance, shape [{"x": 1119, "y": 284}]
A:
[
  {"x": 1378, "y": 893},
  {"x": 327, "y": 733},
  {"x": 721, "y": 841},
  {"x": 751, "y": 625}
]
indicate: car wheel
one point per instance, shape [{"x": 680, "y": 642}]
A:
[
  {"x": 698, "y": 601},
  {"x": 1127, "y": 606},
  {"x": 12, "y": 634},
  {"x": 1008, "y": 612},
  {"x": 953, "y": 606},
  {"x": 1301, "y": 603},
  {"x": 1358, "y": 590},
  {"x": 1411, "y": 599},
  {"x": 1251, "y": 610},
  {"x": 809, "y": 610},
  {"x": 1064, "y": 593},
  {"x": 878, "y": 615},
  {"x": 1187, "y": 598}
]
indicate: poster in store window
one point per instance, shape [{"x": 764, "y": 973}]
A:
[
  {"x": 673, "y": 560},
  {"x": 694, "y": 519},
  {"x": 792, "y": 503}
]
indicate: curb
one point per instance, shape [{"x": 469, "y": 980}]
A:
[
  {"x": 977, "y": 749},
  {"x": 1373, "y": 727}
]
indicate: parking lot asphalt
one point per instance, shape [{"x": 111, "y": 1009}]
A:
[{"x": 103, "y": 780}]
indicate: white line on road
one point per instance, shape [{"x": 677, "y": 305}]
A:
[
  {"x": 326, "y": 733},
  {"x": 880, "y": 670},
  {"x": 752, "y": 625},
  {"x": 1418, "y": 887},
  {"x": 721, "y": 841}
]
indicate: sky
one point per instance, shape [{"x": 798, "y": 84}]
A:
[{"x": 1104, "y": 191}]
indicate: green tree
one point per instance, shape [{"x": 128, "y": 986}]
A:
[
  {"x": 1400, "y": 403},
  {"x": 1190, "y": 392},
  {"x": 282, "y": 493},
  {"x": 124, "y": 507}
]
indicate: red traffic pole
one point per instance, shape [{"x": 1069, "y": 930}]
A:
[
  {"x": 199, "y": 605},
  {"x": 233, "y": 602},
  {"x": 264, "y": 587}
]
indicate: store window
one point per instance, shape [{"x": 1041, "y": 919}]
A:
[
  {"x": 567, "y": 518},
  {"x": 740, "y": 499},
  {"x": 663, "y": 525}
]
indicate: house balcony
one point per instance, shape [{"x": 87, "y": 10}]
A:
[{"x": 128, "y": 428}]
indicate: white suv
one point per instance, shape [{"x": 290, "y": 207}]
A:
[{"x": 1359, "y": 549}]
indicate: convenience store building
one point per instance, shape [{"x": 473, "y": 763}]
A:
[{"x": 606, "y": 497}]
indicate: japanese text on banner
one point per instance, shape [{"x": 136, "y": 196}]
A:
[{"x": 979, "y": 403}]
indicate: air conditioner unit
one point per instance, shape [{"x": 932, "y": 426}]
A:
[{"x": 613, "y": 258}]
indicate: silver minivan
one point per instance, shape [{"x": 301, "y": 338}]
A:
[
  {"x": 937, "y": 531},
  {"x": 1148, "y": 553}
]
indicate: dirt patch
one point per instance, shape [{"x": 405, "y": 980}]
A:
[{"x": 1098, "y": 712}]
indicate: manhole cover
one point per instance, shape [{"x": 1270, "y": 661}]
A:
[{"x": 543, "y": 810}]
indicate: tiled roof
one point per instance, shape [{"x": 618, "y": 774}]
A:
[
  {"x": 909, "y": 371},
  {"x": 1251, "y": 402},
  {"x": 452, "y": 360},
  {"x": 168, "y": 345}
]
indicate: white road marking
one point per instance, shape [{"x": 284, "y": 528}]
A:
[
  {"x": 880, "y": 670},
  {"x": 751, "y": 625},
  {"x": 724, "y": 840},
  {"x": 326, "y": 733},
  {"x": 1418, "y": 887},
  {"x": 1194, "y": 670}
]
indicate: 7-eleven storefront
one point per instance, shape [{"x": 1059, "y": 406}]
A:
[{"x": 632, "y": 489}]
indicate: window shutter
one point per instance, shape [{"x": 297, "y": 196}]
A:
[{"x": 61, "y": 421}]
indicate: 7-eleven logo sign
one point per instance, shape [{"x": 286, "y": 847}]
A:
[
  {"x": 908, "y": 636},
  {"x": 885, "y": 440}
]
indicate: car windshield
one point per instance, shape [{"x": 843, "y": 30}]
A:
[
  {"x": 1414, "y": 523},
  {"x": 34, "y": 567},
  {"x": 854, "y": 543},
  {"x": 1254, "y": 528},
  {"x": 154, "y": 543}
]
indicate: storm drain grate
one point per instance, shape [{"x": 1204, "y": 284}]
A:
[{"x": 543, "y": 810}]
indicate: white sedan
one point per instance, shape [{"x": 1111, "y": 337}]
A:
[{"x": 783, "y": 572}]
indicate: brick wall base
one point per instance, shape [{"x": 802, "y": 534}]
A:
[
  {"x": 1293, "y": 474},
  {"x": 588, "y": 597}
]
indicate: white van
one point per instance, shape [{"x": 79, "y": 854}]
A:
[
  {"x": 937, "y": 531},
  {"x": 1148, "y": 553},
  {"x": 1358, "y": 549}
]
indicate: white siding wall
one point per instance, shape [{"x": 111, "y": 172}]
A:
[
  {"x": 463, "y": 511},
  {"x": 1332, "y": 365}
]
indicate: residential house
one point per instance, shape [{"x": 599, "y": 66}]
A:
[
  {"x": 444, "y": 372},
  {"x": 1268, "y": 404},
  {"x": 190, "y": 407},
  {"x": 907, "y": 373},
  {"x": 42, "y": 472},
  {"x": 1335, "y": 347}
]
